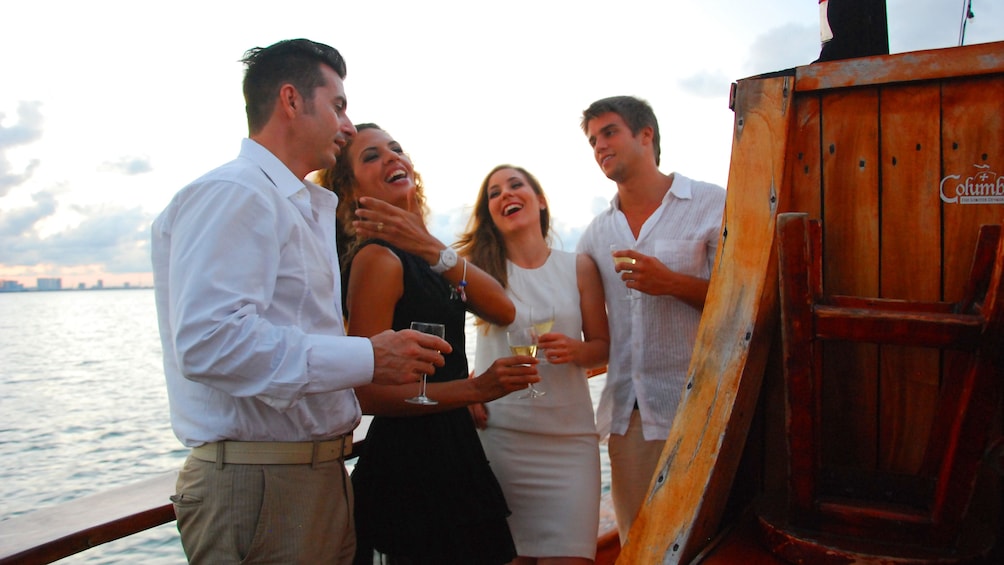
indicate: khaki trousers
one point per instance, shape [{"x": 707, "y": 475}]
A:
[
  {"x": 633, "y": 461},
  {"x": 265, "y": 513}
]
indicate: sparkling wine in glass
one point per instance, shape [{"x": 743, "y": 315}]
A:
[
  {"x": 631, "y": 293},
  {"x": 438, "y": 330},
  {"x": 542, "y": 319},
  {"x": 523, "y": 341}
]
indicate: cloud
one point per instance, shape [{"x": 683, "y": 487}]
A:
[
  {"x": 447, "y": 225},
  {"x": 128, "y": 166},
  {"x": 27, "y": 130},
  {"x": 935, "y": 24},
  {"x": 18, "y": 224},
  {"x": 706, "y": 84},
  {"x": 783, "y": 47},
  {"x": 117, "y": 238}
]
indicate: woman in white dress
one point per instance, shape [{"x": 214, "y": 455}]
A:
[{"x": 544, "y": 450}]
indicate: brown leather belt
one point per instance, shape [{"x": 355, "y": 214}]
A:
[{"x": 274, "y": 452}]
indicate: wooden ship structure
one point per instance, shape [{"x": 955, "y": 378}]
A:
[{"x": 844, "y": 399}]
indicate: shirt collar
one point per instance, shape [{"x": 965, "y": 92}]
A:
[
  {"x": 682, "y": 188},
  {"x": 284, "y": 180}
]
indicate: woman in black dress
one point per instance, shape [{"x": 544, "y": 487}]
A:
[{"x": 424, "y": 491}]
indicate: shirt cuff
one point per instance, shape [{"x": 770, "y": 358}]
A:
[{"x": 338, "y": 362}]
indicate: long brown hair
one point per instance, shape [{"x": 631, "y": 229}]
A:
[{"x": 482, "y": 242}]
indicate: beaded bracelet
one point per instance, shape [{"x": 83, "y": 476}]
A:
[{"x": 463, "y": 284}]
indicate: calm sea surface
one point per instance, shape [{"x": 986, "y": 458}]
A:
[{"x": 83, "y": 408}]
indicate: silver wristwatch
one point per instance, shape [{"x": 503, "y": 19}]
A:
[{"x": 447, "y": 260}]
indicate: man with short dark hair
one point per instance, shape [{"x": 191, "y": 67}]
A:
[
  {"x": 664, "y": 229},
  {"x": 259, "y": 370}
]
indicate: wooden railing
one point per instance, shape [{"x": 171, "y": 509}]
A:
[{"x": 50, "y": 534}]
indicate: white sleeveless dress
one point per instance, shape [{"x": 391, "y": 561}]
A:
[{"x": 545, "y": 451}]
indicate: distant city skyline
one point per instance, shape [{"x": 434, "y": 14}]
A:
[{"x": 143, "y": 280}]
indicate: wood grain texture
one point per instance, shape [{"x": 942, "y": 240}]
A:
[
  {"x": 691, "y": 487},
  {"x": 932, "y": 64}
]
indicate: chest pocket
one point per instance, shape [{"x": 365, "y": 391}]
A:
[{"x": 685, "y": 256}]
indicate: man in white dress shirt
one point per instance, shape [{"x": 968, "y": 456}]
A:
[
  {"x": 259, "y": 370},
  {"x": 668, "y": 225}
]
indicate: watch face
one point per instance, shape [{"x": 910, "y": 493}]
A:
[
  {"x": 447, "y": 260},
  {"x": 449, "y": 257}
]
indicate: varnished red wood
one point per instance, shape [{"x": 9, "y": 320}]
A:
[{"x": 928, "y": 518}]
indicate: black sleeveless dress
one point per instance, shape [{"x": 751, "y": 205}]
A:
[{"x": 424, "y": 492}]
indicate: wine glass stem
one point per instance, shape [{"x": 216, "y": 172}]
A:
[{"x": 423, "y": 385}]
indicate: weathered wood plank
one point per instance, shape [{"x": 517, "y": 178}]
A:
[
  {"x": 803, "y": 180},
  {"x": 933, "y": 64},
  {"x": 972, "y": 146},
  {"x": 923, "y": 329},
  {"x": 804, "y": 165},
  {"x": 799, "y": 261},
  {"x": 972, "y": 143},
  {"x": 850, "y": 266},
  {"x": 691, "y": 487},
  {"x": 910, "y": 118}
]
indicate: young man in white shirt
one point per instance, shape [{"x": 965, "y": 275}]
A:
[{"x": 667, "y": 226}]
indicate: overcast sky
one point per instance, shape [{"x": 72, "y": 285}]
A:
[{"x": 109, "y": 107}]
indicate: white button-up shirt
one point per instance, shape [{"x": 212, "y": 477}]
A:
[
  {"x": 652, "y": 337},
  {"x": 249, "y": 306}
]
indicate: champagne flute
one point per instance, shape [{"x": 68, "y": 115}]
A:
[
  {"x": 542, "y": 319},
  {"x": 438, "y": 330},
  {"x": 630, "y": 294},
  {"x": 523, "y": 341}
]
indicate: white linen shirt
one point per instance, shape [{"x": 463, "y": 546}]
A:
[
  {"x": 249, "y": 306},
  {"x": 652, "y": 337}
]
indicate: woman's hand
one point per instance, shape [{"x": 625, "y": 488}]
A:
[
  {"x": 558, "y": 348},
  {"x": 506, "y": 375},
  {"x": 406, "y": 231},
  {"x": 401, "y": 228},
  {"x": 479, "y": 413}
]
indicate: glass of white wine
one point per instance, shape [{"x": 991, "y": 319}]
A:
[
  {"x": 523, "y": 341},
  {"x": 438, "y": 330},
  {"x": 542, "y": 319},
  {"x": 631, "y": 293}
]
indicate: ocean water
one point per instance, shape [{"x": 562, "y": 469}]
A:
[{"x": 83, "y": 408}]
